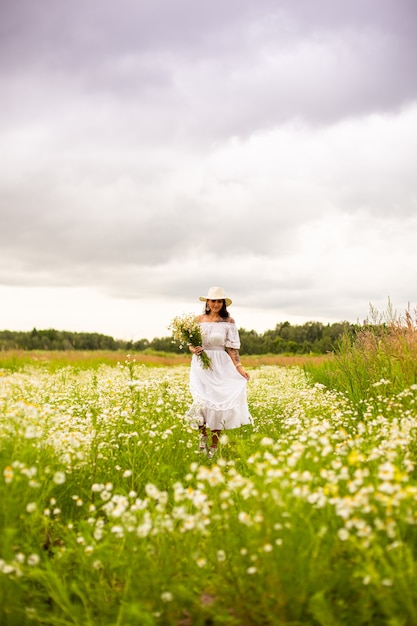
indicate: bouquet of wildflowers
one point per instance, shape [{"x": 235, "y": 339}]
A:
[{"x": 186, "y": 330}]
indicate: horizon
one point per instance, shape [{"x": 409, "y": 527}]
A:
[{"x": 150, "y": 339}]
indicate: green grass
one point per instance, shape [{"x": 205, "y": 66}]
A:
[{"x": 109, "y": 515}]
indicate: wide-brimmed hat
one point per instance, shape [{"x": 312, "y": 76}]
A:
[{"x": 216, "y": 293}]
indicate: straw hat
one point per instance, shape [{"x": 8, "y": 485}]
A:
[{"x": 216, "y": 293}]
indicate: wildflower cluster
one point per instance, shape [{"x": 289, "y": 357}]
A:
[
  {"x": 186, "y": 330},
  {"x": 100, "y": 475}
]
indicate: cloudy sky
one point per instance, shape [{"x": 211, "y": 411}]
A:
[{"x": 153, "y": 148}]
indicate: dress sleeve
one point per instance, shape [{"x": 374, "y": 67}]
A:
[{"x": 232, "y": 336}]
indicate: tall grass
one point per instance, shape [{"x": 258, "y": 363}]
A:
[{"x": 381, "y": 358}]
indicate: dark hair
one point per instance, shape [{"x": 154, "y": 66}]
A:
[{"x": 224, "y": 313}]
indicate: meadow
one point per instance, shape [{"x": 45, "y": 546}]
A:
[{"x": 110, "y": 515}]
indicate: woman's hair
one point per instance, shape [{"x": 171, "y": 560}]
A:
[{"x": 224, "y": 313}]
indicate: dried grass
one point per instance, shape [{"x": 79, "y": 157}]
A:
[
  {"x": 58, "y": 358},
  {"x": 393, "y": 340}
]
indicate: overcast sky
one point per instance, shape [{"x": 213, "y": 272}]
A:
[{"x": 153, "y": 148}]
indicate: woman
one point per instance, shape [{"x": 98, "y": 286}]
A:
[{"x": 219, "y": 393}]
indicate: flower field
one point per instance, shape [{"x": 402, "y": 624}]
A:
[{"x": 110, "y": 516}]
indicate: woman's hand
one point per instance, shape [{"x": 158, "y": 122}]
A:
[
  {"x": 242, "y": 372},
  {"x": 196, "y": 350}
]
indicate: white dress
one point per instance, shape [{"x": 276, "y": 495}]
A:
[{"x": 219, "y": 393}]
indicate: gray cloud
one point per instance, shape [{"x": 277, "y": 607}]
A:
[
  {"x": 225, "y": 66},
  {"x": 75, "y": 215}
]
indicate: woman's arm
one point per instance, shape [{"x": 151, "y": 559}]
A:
[{"x": 234, "y": 355}]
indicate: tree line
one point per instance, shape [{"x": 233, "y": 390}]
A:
[{"x": 311, "y": 337}]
